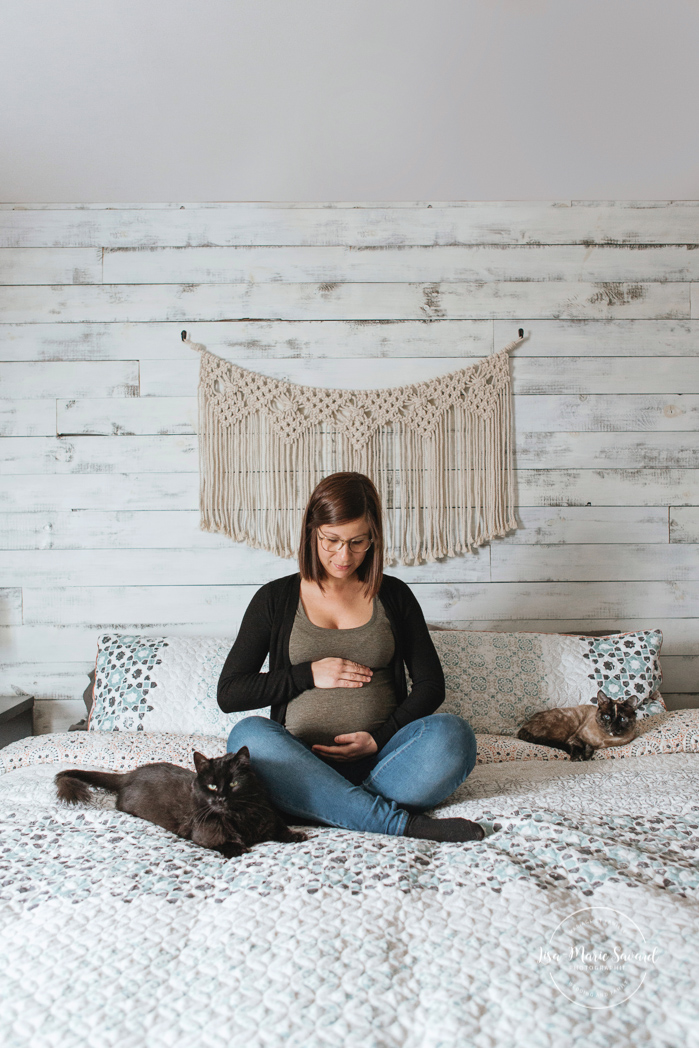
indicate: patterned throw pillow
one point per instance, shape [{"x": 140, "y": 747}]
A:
[
  {"x": 497, "y": 681},
  {"x": 160, "y": 684}
]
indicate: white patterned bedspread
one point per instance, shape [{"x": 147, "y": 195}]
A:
[{"x": 116, "y": 933}]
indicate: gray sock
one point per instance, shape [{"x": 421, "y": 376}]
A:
[{"x": 426, "y": 829}]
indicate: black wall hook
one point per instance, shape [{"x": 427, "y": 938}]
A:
[
  {"x": 184, "y": 336},
  {"x": 521, "y": 333}
]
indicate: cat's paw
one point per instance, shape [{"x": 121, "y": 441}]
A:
[
  {"x": 295, "y": 837},
  {"x": 580, "y": 754},
  {"x": 231, "y": 850}
]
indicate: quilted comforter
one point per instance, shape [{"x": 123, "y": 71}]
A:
[{"x": 116, "y": 933}]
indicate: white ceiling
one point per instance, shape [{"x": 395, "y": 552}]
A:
[{"x": 341, "y": 100}]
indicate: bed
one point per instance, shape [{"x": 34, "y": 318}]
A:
[{"x": 117, "y": 933}]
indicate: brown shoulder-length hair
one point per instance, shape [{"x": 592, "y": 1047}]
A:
[{"x": 338, "y": 499}]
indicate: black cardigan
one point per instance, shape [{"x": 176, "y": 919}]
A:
[{"x": 266, "y": 628}]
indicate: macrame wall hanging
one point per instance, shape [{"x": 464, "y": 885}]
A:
[{"x": 439, "y": 452}]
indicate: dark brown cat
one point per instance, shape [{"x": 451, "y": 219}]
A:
[
  {"x": 580, "y": 730},
  {"x": 222, "y": 806}
]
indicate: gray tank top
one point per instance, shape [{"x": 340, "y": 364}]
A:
[{"x": 319, "y": 714}]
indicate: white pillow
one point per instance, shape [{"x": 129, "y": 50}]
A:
[
  {"x": 497, "y": 681},
  {"x": 161, "y": 684}
]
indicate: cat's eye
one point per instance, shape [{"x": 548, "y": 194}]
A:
[
  {"x": 211, "y": 786},
  {"x": 234, "y": 784}
]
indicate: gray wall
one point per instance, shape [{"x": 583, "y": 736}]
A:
[
  {"x": 398, "y": 101},
  {"x": 153, "y": 100},
  {"x": 100, "y": 528}
]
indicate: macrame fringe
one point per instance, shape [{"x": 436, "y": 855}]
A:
[{"x": 439, "y": 452}]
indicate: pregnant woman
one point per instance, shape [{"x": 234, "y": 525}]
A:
[{"x": 347, "y": 744}]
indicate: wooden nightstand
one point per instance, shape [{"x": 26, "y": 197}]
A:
[{"x": 15, "y": 717}]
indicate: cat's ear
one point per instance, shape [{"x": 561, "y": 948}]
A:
[
  {"x": 200, "y": 761},
  {"x": 602, "y": 699},
  {"x": 243, "y": 757}
]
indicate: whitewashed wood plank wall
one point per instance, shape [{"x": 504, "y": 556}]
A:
[{"x": 99, "y": 528}]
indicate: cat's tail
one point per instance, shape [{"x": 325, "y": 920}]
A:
[
  {"x": 538, "y": 740},
  {"x": 72, "y": 787},
  {"x": 524, "y": 735}
]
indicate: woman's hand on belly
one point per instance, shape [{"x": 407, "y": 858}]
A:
[
  {"x": 340, "y": 673},
  {"x": 350, "y": 747}
]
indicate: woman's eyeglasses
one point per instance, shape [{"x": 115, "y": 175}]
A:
[{"x": 359, "y": 545}]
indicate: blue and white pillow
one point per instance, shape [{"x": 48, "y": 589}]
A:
[
  {"x": 497, "y": 681},
  {"x": 160, "y": 684}
]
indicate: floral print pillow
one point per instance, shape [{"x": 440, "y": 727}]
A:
[
  {"x": 160, "y": 684},
  {"x": 497, "y": 681}
]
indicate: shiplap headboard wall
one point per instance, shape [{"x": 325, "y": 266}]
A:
[{"x": 100, "y": 528}]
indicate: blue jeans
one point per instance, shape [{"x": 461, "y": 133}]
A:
[{"x": 420, "y": 766}]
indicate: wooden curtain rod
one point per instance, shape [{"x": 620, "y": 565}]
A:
[{"x": 520, "y": 333}]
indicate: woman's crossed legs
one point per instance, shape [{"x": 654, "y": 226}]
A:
[{"x": 420, "y": 766}]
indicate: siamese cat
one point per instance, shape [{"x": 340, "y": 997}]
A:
[{"x": 580, "y": 730}]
